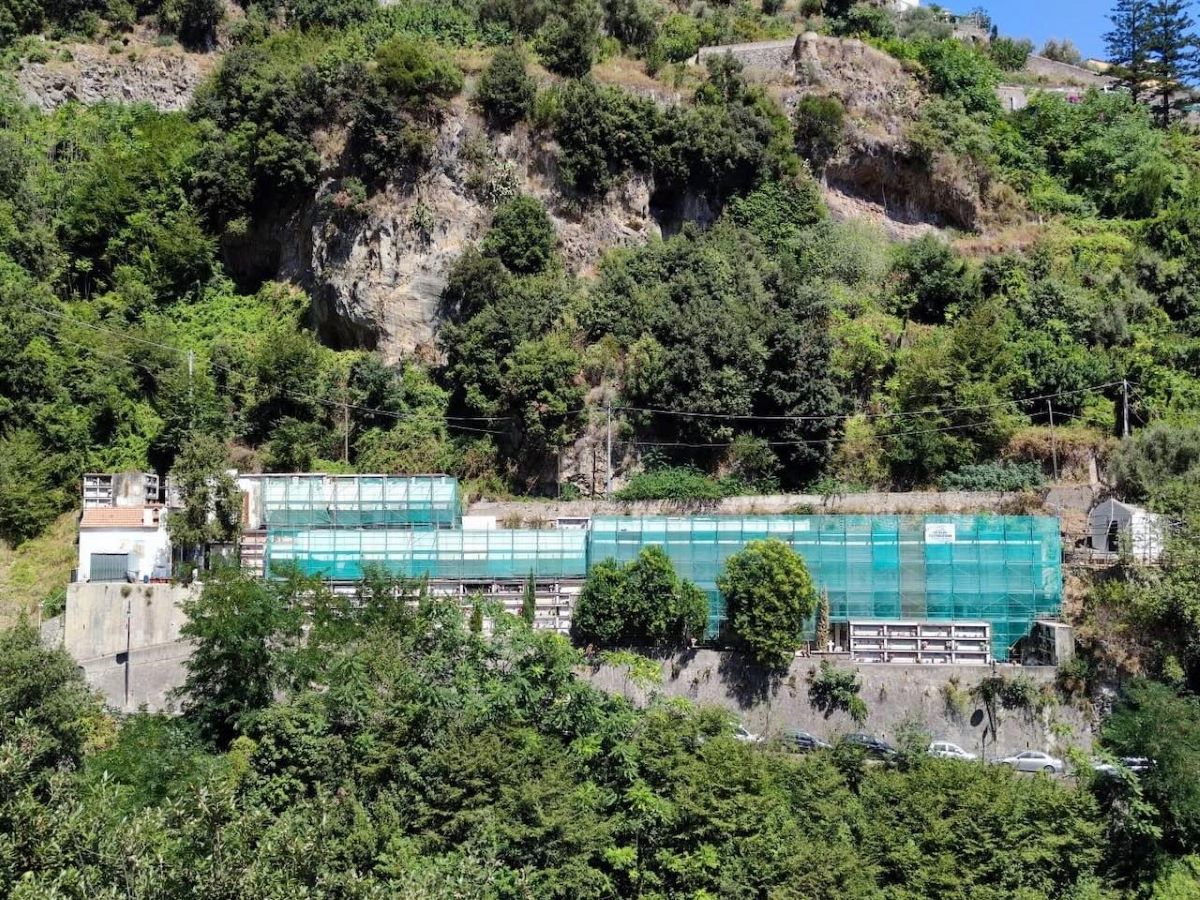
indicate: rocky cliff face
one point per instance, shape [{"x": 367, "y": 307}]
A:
[
  {"x": 164, "y": 77},
  {"x": 376, "y": 268}
]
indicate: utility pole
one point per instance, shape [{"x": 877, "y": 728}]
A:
[
  {"x": 345, "y": 433},
  {"x": 1125, "y": 407},
  {"x": 1053, "y": 438},
  {"x": 608, "y": 453}
]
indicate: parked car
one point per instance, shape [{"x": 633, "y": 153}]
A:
[
  {"x": 803, "y": 742},
  {"x": 1034, "y": 761},
  {"x": 946, "y": 750},
  {"x": 741, "y": 733},
  {"x": 1135, "y": 764},
  {"x": 871, "y": 744}
]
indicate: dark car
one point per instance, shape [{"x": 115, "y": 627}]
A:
[
  {"x": 873, "y": 746},
  {"x": 803, "y": 742}
]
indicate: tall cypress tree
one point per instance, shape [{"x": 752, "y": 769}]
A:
[
  {"x": 1128, "y": 45},
  {"x": 1173, "y": 54}
]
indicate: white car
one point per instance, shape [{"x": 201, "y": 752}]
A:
[
  {"x": 1034, "y": 761},
  {"x": 946, "y": 750},
  {"x": 742, "y": 734}
]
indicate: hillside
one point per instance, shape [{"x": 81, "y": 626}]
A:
[{"x": 618, "y": 256}]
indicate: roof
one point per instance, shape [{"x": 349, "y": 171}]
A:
[{"x": 118, "y": 517}]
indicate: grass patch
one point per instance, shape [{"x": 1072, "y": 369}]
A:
[{"x": 39, "y": 569}]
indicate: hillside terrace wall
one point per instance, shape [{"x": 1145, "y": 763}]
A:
[
  {"x": 895, "y": 695},
  {"x": 1056, "y": 501},
  {"x": 759, "y": 55}
]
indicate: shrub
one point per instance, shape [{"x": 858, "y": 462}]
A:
[
  {"x": 833, "y": 690},
  {"x": 568, "y": 40},
  {"x": 820, "y": 128},
  {"x": 680, "y": 483},
  {"x": 522, "y": 236},
  {"x": 642, "y": 602},
  {"x": 995, "y": 477},
  {"x": 769, "y": 595},
  {"x": 194, "y": 22},
  {"x": 506, "y": 91},
  {"x": 415, "y": 71},
  {"x": 328, "y": 13},
  {"x": 1009, "y": 54}
]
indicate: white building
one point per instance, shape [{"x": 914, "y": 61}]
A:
[
  {"x": 123, "y": 529},
  {"x": 904, "y": 5},
  {"x": 1115, "y": 527}
]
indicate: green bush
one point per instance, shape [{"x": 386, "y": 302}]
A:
[
  {"x": 194, "y": 22},
  {"x": 676, "y": 483},
  {"x": 522, "y": 236},
  {"x": 995, "y": 477},
  {"x": 328, "y": 13},
  {"x": 642, "y": 602},
  {"x": 506, "y": 90},
  {"x": 769, "y": 595},
  {"x": 415, "y": 71},
  {"x": 820, "y": 129},
  {"x": 831, "y": 690},
  {"x": 569, "y": 39}
]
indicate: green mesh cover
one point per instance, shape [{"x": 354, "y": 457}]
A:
[{"x": 1006, "y": 570}]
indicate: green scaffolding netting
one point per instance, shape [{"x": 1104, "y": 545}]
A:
[
  {"x": 360, "y": 501},
  {"x": 1006, "y": 570}
]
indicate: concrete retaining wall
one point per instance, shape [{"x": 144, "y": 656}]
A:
[
  {"x": 894, "y": 695},
  {"x": 126, "y": 638}
]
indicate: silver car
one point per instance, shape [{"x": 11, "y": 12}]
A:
[
  {"x": 947, "y": 750},
  {"x": 1034, "y": 761}
]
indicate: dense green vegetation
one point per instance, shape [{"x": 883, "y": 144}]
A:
[
  {"x": 395, "y": 752},
  {"x": 773, "y": 349}
]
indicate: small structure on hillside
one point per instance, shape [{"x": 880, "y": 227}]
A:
[
  {"x": 123, "y": 529},
  {"x": 1115, "y": 528}
]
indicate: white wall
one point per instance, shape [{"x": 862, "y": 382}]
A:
[{"x": 149, "y": 548}]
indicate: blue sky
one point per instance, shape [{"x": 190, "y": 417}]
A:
[{"x": 1083, "y": 21}]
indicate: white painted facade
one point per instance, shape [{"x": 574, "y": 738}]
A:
[{"x": 148, "y": 549}]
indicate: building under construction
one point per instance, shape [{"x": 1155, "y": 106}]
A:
[{"x": 922, "y": 589}]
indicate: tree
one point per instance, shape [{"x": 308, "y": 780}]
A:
[
  {"x": 30, "y": 496},
  {"x": 529, "y": 601},
  {"x": 1010, "y": 54},
  {"x": 823, "y": 633},
  {"x": 820, "y": 129},
  {"x": 506, "y": 91},
  {"x": 1128, "y": 44},
  {"x": 238, "y": 626},
  {"x": 211, "y": 506},
  {"x": 568, "y": 39},
  {"x": 932, "y": 280},
  {"x": 1151, "y": 720},
  {"x": 769, "y": 595},
  {"x": 415, "y": 71},
  {"x": 1173, "y": 50},
  {"x": 1063, "y": 51},
  {"x": 641, "y": 603},
  {"x": 194, "y": 22},
  {"x": 522, "y": 236}
]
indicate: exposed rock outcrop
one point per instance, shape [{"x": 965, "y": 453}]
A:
[
  {"x": 376, "y": 268},
  {"x": 164, "y": 77}
]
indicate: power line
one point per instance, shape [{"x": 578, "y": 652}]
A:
[
  {"x": 451, "y": 421},
  {"x": 841, "y": 417},
  {"x": 109, "y": 354}
]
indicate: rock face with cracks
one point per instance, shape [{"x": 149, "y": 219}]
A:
[
  {"x": 164, "y": 77},
  {"x": 376, "y": 268}
]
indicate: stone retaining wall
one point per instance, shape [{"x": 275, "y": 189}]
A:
[{"x": 895, "y": 695}]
